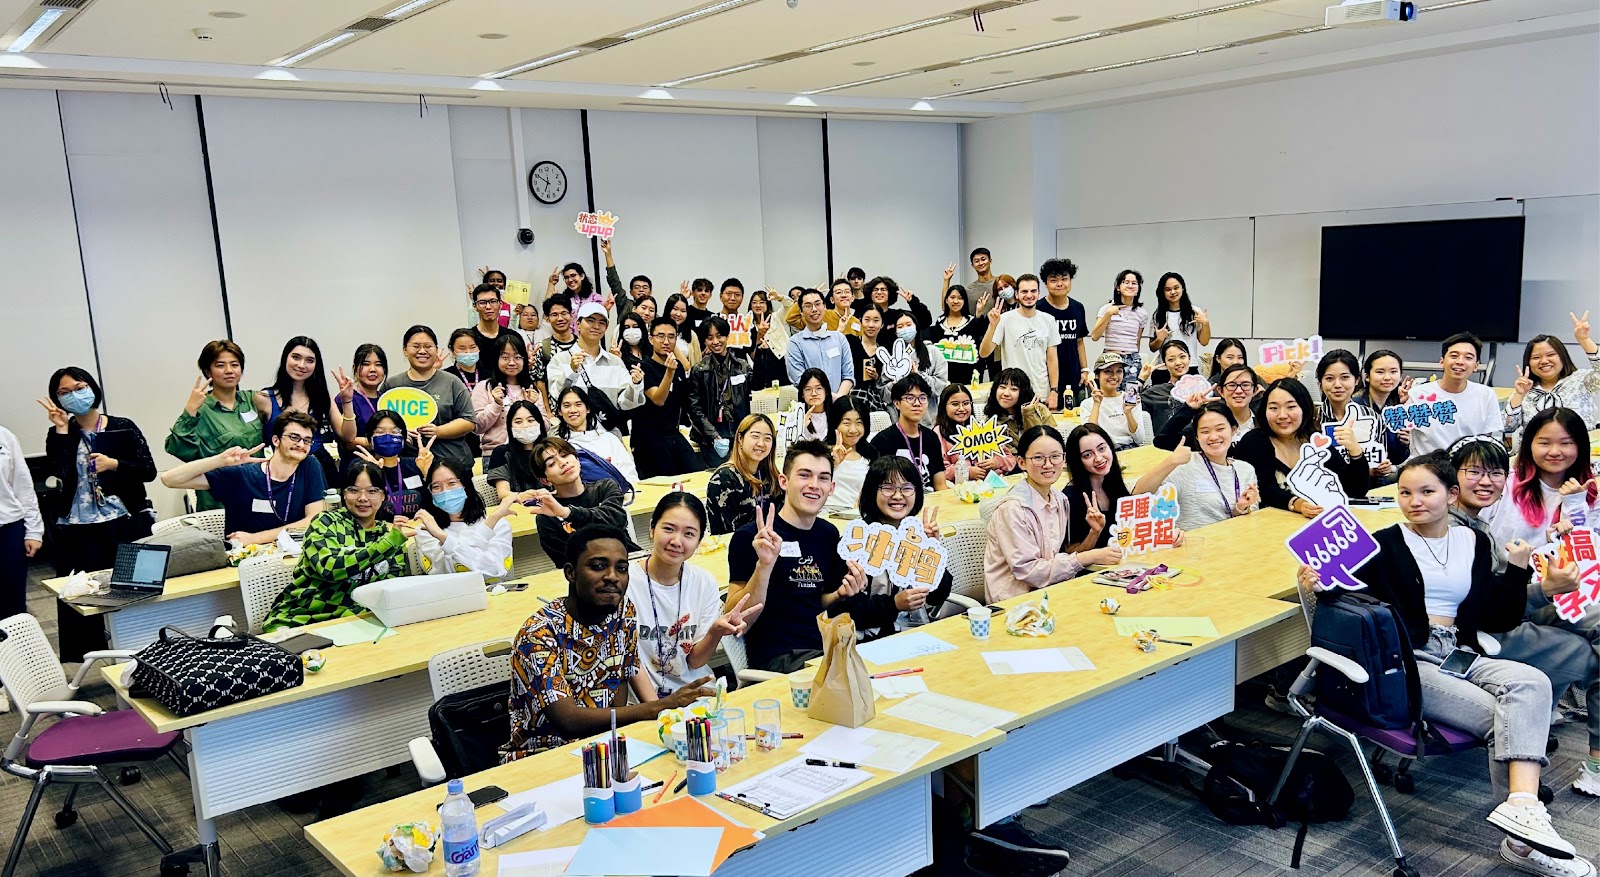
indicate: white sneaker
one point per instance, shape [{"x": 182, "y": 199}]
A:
[
  {"x": 1588, "y": 781},
  {"x": 1530, "y": 824},
  {"x": 1536, "y": 862}
]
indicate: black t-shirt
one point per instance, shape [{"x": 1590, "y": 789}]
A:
[
  {"x": 1078, "y": 520},
  {"x": 486, "y": 347},
  {"x": 924, "y": 451},
  {"x": 808, "y": 566},
  {"x": 1070, "y": 320},
  {"x": 651, "y": 416},
  {"x": 695, "y": 318}
]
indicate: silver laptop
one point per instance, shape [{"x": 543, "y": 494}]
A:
[{"x": 140, "y": 574}]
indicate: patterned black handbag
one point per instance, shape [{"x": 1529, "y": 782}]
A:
[{"x": 188, "y": 675}]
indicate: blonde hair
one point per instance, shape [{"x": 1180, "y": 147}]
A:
[{"x": 761, "y": 476}]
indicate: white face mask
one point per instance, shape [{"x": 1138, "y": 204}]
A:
[
  {"x": 526, "y": 434},
  {"x": 632, "y": 335}
]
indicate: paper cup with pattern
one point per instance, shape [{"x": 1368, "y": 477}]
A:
[
  {"x": 978, "y": 621},
  {"x": 800, "y": 689}
]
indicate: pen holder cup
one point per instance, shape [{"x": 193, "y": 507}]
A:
[
  {"x": 627, "y": 796},
  {"x": 702, "y": 778},
  {"x": 599, "y": 806}
]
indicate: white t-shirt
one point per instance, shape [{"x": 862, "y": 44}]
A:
[
  {"x": 1024, "y": 343},
  {"x": 1477, "y": 413},
  {"x": 1446, "y": 567},
  {"x": 1113, "y": 421},
  {"x": 1200, "y": 501},
  {"x": 1175, "y": 333},
  {"x": 672, "y": 618}
]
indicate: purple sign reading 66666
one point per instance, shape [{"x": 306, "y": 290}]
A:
[{"x": 1335, "y": 545}]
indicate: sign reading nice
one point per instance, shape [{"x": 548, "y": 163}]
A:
[{"x": 415, "y": 407}]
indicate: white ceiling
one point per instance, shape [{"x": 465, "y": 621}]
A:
[{"x": 438, "y": 50}]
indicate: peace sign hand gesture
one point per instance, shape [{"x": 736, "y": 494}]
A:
[
  {"x": 366, "y": 455},
  {"x": 425, "y": 453},
  {"x": 734, "y": 621},
  {"x": 767, "y": 543},
  {"x": 237, "y": 456},
  {"x": 347, "y": 387},
  {"x": 58, "y": 417},
  {"x": 197, "y": 396},
  {"x": 1580, "y": 326},
  {"x": 949, "y": 272},
  {"x": 1201, "y": 318},
  {"x": 930, "y": 521},
  {"x": 1523, "y": 384},
  {"x": 1094, "y": 517}
]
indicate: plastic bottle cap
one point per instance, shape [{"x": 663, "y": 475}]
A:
[{"x": 454, "y": 787}]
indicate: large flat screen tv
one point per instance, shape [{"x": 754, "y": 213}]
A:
[{"x": 1422, "y": 280}]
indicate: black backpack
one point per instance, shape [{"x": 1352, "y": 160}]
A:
[
  {"x": 469, "y": 728},
  {"x": 1243, "y": 775},
  {"x": 1370, "y": 633}
]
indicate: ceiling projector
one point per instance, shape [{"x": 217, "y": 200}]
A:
[{"x": 1355, "y": 13}]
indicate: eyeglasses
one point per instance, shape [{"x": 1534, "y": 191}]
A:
[
  {"x": 914, "y": 400},
  {"x": 486, "y": 302},
  {"x": 664, "y": 336},
  {"x": 373, "y": 492},
  {"x": 1237, "y": 387},
  {"x": 897, "y": 489},
  {"x": 420, "y": 348},
  {"x": 1476, "y": 474},
  {"x": 295, "y": 439},
  {"x": 1052, "y": 460}
]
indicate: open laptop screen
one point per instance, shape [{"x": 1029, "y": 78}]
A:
[{"x": 141, "y": 566}]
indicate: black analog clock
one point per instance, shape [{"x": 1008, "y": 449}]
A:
[{"x": 548, "y": 182}]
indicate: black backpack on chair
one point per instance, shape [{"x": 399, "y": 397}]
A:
[
  {"x": 469, "y": 728},
  {"x": 1243, "y": 775}
]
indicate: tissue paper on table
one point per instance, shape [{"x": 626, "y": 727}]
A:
[
  {"x": 408, "y": 847},
  {"x": 79, "y": 584},
  {"x": 1031, "y": 619}
]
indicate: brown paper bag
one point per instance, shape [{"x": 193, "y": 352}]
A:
[
  {"x": 842, "y": 692},
  {"x": 1035, "y": 414}
]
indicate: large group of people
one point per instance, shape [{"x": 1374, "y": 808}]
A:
[{"x": 568, "y": 403}]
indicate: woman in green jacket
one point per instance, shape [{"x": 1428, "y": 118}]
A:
[{"x": 218, "y": 415}]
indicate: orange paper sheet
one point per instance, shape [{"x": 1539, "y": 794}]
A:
[{"x": 686, "y": 812}]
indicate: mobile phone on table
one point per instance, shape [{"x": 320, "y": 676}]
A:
[
  {"x": 1459, "y": 663},
  {"x": 486, "y": 795},
  {"x": 301, "y": 643}
]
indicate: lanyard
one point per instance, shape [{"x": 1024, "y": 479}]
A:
[
  {"x": 288, "y": 495},
  {"x": 94, "y": 476},
  {"x": 396, "y": 497},
  {"x": 1211, "y": 469},
  {"x": 916, "y": 454},
  {"x": 664, "y": 647}
]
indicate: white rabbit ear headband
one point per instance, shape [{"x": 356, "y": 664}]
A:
[{"x": 1464, "y": 443}]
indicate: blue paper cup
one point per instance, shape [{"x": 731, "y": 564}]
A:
[
  {"x": 599, "y": 806},
  {"x": 627, "y": 795},
  {"x": 702, "y": 778}
]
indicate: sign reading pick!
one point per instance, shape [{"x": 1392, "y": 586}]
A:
[
  {"x": 1335, "y": 545},
  {"x": 415, "y": 407}
]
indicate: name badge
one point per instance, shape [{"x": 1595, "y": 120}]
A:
[
  {"x": 262, "y": 506},
  {"x": 833, "y": 352},
  {"x": 789, "y": 549},
  {"x": 413, "y": 482},
  {"x": 738, "y": 379},
  {"x": 248, "y": 415},
  {"x": 904, "y": 453}
]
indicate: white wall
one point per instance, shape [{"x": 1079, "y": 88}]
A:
[
  {"x": 46, "y": 311},
  {"x": 794, "y": 225}
]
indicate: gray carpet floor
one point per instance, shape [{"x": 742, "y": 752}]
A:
[{"x": 1139, "y": 826}]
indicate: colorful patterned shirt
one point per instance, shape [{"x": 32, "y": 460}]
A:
[
  {"x": 337, "y": 557},
  {"x": 554, "y": 657}
]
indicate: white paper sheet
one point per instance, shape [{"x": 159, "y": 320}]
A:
[
  {"x": 902, "y": 647},
  {"x": 795, "y": 786},
  {"x": 1062, "y": 660},
  {"x": 899, "y": 686},
  {"x": 561, "y": 801},
  {"x": 884, "y": 750},
  {"x": 537, "y": 863},
  {"x": 950, "y": 713}
]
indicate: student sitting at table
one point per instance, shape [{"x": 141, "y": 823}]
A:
[
  {"x": 1477, "y": 407},
  {"x": 1108, "y": 407},
  {"x": 748, "y": 480},
  {"x": 344, "y": 548},
  {"x": 580, "y": 426},
  {"x": 505, "y": 383},
  {"x": 1008, "y": 395},
  {"x": 455, "y": 533},
  {"x": 572, "y": 657},
  {"x": 848, "y": 419},
  {"x": 892, "y": 493},
  {"x": 1155, "y": 393},
  {"x": 955, "y": 411},
  {"x": 219, "y": 415},
  {"x": 1338, "y": 375},
  {"x": 402, "y": 476},
  {"x": 1094, "y": 473},
  {"x": 679, "y": 607},
  {"x": 1240, "y": 390},
  {"x": 1550, "y": 379},
  {"x": 926, "y": 360},
  {"x": 1211, "y": 485},
  {"x": 1440, "y": 581},
  {"x": 788, "y": 562},
  {"x": 525, "y": 425},
  {"x": 262, "y": 497},
  {"x": 566, "y": 503},
  {"x": 453, "y": 422},
  {"x": 816, "y": 394},
  {"x": 1289, "y": 421},
  {"x": 907, "y": 437},
  {"x": 1552, "y": 484},
  {"x": 1028, "y": 529}
]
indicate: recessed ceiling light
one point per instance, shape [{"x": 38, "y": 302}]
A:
[
  {"x": 1001, "y": 72},
  {"x": 39, "y": 26},
  {"x": 1185, "y": 16},
  {"x": 863, "y": 63},
  {"x": 523, "y": 68},
  {"x": 491, "y": 36},
  {"x": 712, "y": 75},
  {"x": 1037, "y": 47},
  {"x": 1066, "y": 18},
  {"x": 845, "y": 85},
  {"x": 685, "y": 18},
  {"x": 887, "y": 32},
  {"x": 225, "y": 14},
  {"x": 323, "y": 46},
  {"x": 405, "y": 9}
]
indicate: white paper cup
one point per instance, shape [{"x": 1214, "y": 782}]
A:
[{"x": 978, "y": 620}]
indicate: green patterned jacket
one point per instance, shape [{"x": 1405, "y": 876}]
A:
[{"x": 337, "y": 557}]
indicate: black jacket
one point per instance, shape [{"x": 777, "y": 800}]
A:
[
  {"x": 1494, "y": 604},
  {"x": 874, "y": 614},
  {"x": 1256, "y": 449},
  {"x": 705, "y": 397},
  {"x": 120, "y": 440}
]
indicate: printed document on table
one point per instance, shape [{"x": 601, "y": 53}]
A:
[
  {"x": 950, "y": 713},
  {"x": 902, "y": 647},
  {"x": 899, "y": 686},
  {"x": 794, "y": 786},
  {"x": 1062, "y": 660},
  {"x": 884, "y": 750}
]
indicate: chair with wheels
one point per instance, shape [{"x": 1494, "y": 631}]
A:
[
  {"x": 83, "y": 741},
  {"x": 965, "y": 549},
  {"x": 468, "y": 722},
  {"x": 733, "y": 647},
  {"x": 261, "y": 581},
  {"x": 486, "y": 491}
]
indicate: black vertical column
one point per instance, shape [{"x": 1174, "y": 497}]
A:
[{"x": 211, "y": 203}]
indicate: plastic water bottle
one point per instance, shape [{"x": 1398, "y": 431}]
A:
[
  {"x": 459, "y": 825},
  {"x": 963, "y": 470}
]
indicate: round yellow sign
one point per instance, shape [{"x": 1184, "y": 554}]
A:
[{"x": 415, "y": 407}]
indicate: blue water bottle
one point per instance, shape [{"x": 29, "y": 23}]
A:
[{"x": 459, "y": 824}]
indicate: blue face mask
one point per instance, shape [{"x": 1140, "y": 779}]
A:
[
  {"x": 467, "y": 360},
  {"x": 451, "y": 501},
  {"x": 907, "y": 333},
  {"x": 388, "y": 445},
  {"x": 78, "y": 401}
]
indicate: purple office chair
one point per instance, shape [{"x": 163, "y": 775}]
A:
[{"x": 78, "y": 745}]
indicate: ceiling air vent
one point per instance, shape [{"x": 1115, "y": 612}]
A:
[
  {"x": 64, "y": 4},
  {"x": 602, "y": 43},
  {"x": 368, "y": 25}
]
